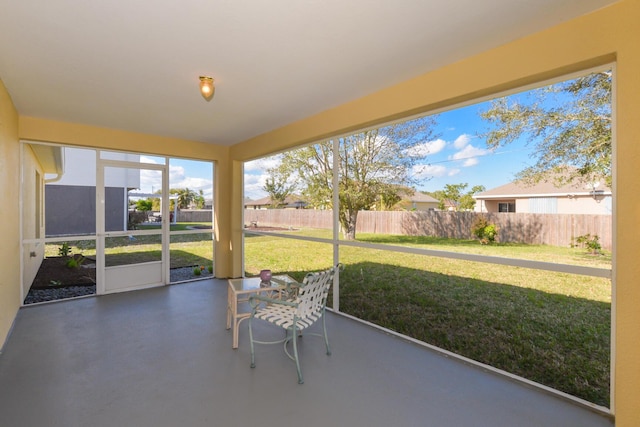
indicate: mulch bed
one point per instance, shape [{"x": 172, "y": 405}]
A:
[
  {"x": 55, "y": 281},
  {"x": 54, "y": 269}
]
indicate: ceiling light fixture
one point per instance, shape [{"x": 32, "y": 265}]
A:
[{"x": 207, "y": 89}]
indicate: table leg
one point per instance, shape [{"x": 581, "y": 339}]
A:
[
  {"x": 229, "y": 309},
  {"x": 236, "y": 325}
]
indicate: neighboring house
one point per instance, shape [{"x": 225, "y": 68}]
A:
[
  {"x": 291, "y": 202},
  {"x": 70, "y": 197},
  {"x": 418, "y": 202},
  {"x": 545, "y": 197}
]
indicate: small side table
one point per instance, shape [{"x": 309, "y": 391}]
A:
[{"x": 239, "y": 291}]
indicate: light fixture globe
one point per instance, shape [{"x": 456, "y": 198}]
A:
[{"x": 207, "y": 89}]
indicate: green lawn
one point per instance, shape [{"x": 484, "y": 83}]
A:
[
  {"x": 186, "y": 249},
  {"x": 552, "y": 328}
]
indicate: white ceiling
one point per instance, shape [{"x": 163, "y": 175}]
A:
[{"x": 134, "y": 64}]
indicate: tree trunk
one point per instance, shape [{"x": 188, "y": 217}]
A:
[{"x": 348, "y": 222}]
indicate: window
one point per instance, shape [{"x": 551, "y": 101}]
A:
[{"x": 507, "y": 207}]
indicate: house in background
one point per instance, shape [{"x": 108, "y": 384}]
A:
[
  {"x": 418, "y": 201},
  {"x": 291, "y": 202},
  {"x": 546, "y": 197}
]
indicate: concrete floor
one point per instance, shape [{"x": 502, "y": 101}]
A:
[{"x": 162, "y": 357}]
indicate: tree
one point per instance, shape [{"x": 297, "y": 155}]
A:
[
  {"x": 185, "y": 197},
  {"x": 454, "y": 194},
  {"x": 467, "y": 202},
  {"x": 278, "y": 187},
  {"x": 569, "y": 125},
  {"x": 199, "y": 200},
  {"x": 374, "y": 166},
  {"x": 144, "y": 205}
]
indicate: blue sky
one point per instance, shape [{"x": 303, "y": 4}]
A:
[
  {"x": 192, "y": 174},
  {"x": 458, "y": 155}
]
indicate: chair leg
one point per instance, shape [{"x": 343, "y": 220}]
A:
[
  {"x": 326, "y": 338},
  {"x": 295, "y": 354},
  {"x": 253, "y": 356}
]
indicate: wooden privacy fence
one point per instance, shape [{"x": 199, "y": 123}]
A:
[
  {"x": 548, "y": 229},
  {"x": 194, "y": 215}
]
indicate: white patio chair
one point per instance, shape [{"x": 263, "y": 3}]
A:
[{"x": 294, "y": 315}]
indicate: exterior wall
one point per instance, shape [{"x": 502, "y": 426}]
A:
[
  {"x": 585, "y": 205},
  {"x": 10, "y": 213},
  {"x": 607, "y": 35},
  {"x": 32, "y": 224},
  {"x": 565, "y": 205},
  {"x": 492, "y": 205},
  {"x": 71, "y": 209},
  {"x": 418, "y": 206},
  {"x": 80, "y": 169}
]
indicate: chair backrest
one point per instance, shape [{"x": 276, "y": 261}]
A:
[{"x": 312, "y": 296}]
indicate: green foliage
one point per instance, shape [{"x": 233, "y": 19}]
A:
[
  {"x": 590, "y": 242},
  {"x": 64, "y": 249},
  {"x": 568, "y": 124},
  {"x": 210, "y": 268},
  {"x": 374, "y": 166},
  {"x": 135, "y": 219},
  {"x": 278, "y": 187},
  {"x": 455, "y": 195},
  {"x": 199, "y": 200},
  {"x": 186, "y": 197},
  {"x": 197, "y": 271},
  {"x": 484, "y": 231},
  {"x": 144, "y": 205},
  {"x": 75, "y": 261}
]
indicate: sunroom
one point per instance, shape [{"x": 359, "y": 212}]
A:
[{"x": 124, "y": 78}]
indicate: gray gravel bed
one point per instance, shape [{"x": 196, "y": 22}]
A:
[{"x": 181, "y": 274}]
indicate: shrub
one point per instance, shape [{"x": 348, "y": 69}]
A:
[
  {"x": 484, "y": 231},
  {"x": 197, "y": 271},
  {"x": 75, "y": 261},
  {"x": 210, "y": 268},
  {"x": 64, "y": 249},
  {"x": 590, "y": 242},
  {"x": 135, "y": 218}
]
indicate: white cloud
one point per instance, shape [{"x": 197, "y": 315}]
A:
[
  {"x": 260, "y": 165},
  {"x": 253, "y": 186},
  {"x": 428, "y": 171},
  {"x": 426, "y": 148},
  {"x": 462, "y": 141},
  {"x": 453, "y": 172},
  {"x": 151, "y": 181},
  {"x": 469, "y": 154}
]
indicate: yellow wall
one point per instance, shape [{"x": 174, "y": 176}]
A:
[
  {"x": 32, "y": 253},
  {"x": 608, "y": 35},
  {"x": 10, "y": 214}
]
